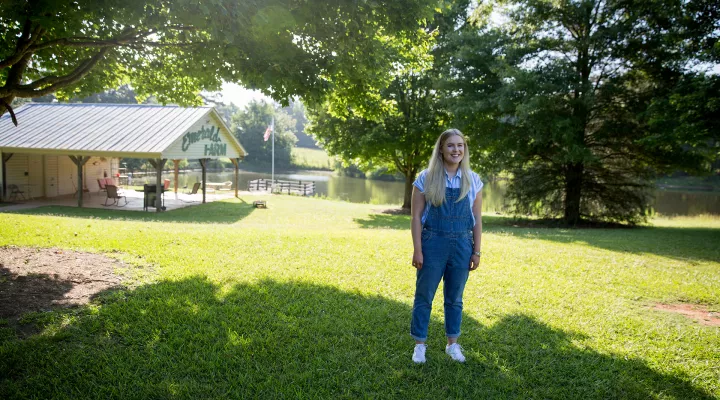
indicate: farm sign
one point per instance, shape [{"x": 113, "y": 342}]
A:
[{"x": 214, "y": 145}]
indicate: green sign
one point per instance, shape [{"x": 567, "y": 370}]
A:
[{"x": 216, "y": 148}]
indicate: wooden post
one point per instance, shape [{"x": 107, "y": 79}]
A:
[
  {"x": 80, "y": 161},
  {"x": 2, "y": 177},
  {"x": 177, "y": 172},
  {"x": 158, "y": 164},
  {"x": 5, "y": 159},
  {"x": 152, "y": 162},
  {"x": 203, "y": 164},
  {"x": 236, "y": 162}
]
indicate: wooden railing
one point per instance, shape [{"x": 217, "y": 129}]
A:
[{"x": 290, "y": 187}]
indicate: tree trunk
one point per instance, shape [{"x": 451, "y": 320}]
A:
[
  {"x": 573, "y": 192},
  {"x": 574, "y": 170},
  {"x": 407, "y": 200}
]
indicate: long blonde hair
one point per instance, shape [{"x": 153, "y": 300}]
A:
[{"x": 435, "y": 178}]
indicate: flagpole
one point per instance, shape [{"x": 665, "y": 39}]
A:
[{"x": 272, "y": 186}]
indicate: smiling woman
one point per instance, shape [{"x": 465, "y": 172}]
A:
[{"x": 446, "y": 229}]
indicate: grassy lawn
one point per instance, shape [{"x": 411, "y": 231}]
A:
[
  {"x": 311, "y": 298},
  {"x": 311, "y": 158}
]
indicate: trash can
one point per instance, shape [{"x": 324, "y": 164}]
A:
[{"x": 150, "y": 197}]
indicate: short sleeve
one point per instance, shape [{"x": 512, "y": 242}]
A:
[
  {"x": 477, "y": 183},
  {"x": 420, "y": 181}
]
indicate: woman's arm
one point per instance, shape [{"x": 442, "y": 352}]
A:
[
  {"x": 417, "y": 206},
  {"x": 477, "y": 232}
]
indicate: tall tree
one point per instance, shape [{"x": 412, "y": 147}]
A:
[
  {"x": 559, "y": 94},
  {"x": 249, "y": 126},
  {"x": 400, "y": 138},
  {"x": 394, "y": 126},
  {"x": 173, "y": 48}
]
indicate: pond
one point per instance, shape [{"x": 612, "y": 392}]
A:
[{"x": 666, "y": 202}]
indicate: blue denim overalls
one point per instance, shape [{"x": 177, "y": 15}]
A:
[{"x": 447, "y": 242}]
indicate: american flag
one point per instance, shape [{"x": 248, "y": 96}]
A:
[{"x": 268, "y": 131}]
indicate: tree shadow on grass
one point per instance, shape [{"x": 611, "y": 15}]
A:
[
  {"x": 679, "y": 243},
  {"x": 217, "y": 212},
  {"x": 384, "y": 221},
  {"x": 191, "y": 339},
  {"x": 402, "y": 222}
]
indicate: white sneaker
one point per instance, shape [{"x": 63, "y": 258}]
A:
[
  {"x": 419, "y": 354},
  {"x": 455, "y": 352}
]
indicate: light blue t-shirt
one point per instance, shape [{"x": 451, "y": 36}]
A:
[{"x": 475, "y": 186}]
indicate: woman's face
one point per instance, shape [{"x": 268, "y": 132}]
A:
[{"x": 453, "y": 150}]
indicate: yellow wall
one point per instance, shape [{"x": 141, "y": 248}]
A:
[{"x": 51, "y": 176}]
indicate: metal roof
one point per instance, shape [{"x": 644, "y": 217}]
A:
[{"x": 129, "y": 130}]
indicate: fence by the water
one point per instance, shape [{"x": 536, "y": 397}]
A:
[{"x": 290, "y": 187}]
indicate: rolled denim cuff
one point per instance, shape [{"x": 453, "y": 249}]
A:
[{"x": 419, "y": 339}]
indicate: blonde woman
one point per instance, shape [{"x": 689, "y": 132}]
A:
[{"x": 446, "y": 230}]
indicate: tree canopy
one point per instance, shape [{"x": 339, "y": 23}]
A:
[
  {"x": 399, "y": 139},
  {"x": 174, "y": 48}
]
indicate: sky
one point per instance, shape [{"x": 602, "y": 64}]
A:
[{"x": 241, "y": 96}]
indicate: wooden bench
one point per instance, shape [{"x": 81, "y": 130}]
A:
[{"x": 260, "y": 204}]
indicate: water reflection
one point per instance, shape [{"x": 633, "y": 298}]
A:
[
  {"x": 494, "y": 197},
  {"x": 686, "y": 203},
  {"x": 363, "y": 190},
  {"x": 381, "y": 192}
]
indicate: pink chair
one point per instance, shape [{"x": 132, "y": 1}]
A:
[
  {"x": 102, "y": 184},
  {"x": 166, "y": 184}
]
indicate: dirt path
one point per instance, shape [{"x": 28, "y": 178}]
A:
[{"x": 43, "y": 279}]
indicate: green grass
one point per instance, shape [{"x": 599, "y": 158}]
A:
[
  {"x": 311, "y": 298},
  {"x": 312, "y": 158}
]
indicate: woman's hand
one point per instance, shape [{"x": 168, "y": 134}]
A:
[
  {"x": 474, "y": 262},
  {"x": 417, "y": 261},
  {"x": 416, "y": 209}
]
